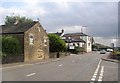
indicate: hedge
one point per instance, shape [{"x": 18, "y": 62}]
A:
[{"x": 10, "y": 46}]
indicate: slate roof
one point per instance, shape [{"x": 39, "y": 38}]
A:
[
  {"x": 74, "y": 34},
  {"x": 59, "y": 34},
  {"x": 14, "y": 29},
  {"x": 74, "y": 40}
]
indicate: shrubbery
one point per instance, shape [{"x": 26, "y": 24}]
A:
[
  {"x": 56, "y": 43},
  {"x": 77, "y": 50},
  {"x": 10, "y": 46}
]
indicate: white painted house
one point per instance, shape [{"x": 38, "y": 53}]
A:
[{"x": 77, "y": 39}]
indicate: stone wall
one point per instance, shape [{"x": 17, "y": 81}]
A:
[
  {"x": 61, "y": 54},
  {"x": 12, "y": 59},
  {"x": 36, "y": 44}
]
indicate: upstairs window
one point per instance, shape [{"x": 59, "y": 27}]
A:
[
  {"x": 31, "y": 39},
  {"x": 45, "y": 41},
  {"x": 39, "y": 29},
  {"x": 88, "y": 44}
]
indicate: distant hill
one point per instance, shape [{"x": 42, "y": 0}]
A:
[{"x": 100, "y": 46}]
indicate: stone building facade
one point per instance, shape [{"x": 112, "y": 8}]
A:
[
  {"x": 33, "y": 39},
  {"x": 36, "y": 43}
]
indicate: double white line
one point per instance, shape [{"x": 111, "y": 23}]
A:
[
  {"x": 101, "y": 74},
  {"x": 96, "y": 72}
]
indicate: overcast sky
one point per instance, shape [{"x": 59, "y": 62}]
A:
[{"x": 100, "y": 18}]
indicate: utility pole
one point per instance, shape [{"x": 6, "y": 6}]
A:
[
  {"x": 112, "y": 44},
  {"x": 116, "y": 40}
]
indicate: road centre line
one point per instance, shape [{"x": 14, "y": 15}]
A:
[
  {"x": 60, "y": 65},
  {"x": 30, "y": 74}
]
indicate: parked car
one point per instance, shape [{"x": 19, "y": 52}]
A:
[
  {"x": 102, "y": 52},
  {"x": 109, "y": 50}
]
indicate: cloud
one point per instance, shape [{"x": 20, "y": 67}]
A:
[
  {"x": 33, "y": 13},
  {"x": 105, "y": 41},
  {"x": 62, "y": 0},
  {"x": 31, "y": 3},
  {"x": 99, "y": 17}
]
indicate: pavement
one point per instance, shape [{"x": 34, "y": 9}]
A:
[
  {"x": 32, "y": 62},
  {"x": 111, "y": 60}
]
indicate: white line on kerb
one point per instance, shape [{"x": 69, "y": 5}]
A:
[{"x": 30, "y": 74}]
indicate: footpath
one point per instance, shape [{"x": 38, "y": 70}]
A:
[
  {"x": 18, "y": 64},
  {"x": 106, "y": 58}
]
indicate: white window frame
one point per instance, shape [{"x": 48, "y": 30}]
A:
[{"x": 31, "y": 39}]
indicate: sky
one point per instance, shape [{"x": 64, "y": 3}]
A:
[{"x": 99, "y": 18}]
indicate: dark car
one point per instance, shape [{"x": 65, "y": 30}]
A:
[{"x": 102, "y": 52}]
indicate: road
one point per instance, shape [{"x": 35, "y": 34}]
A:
[{"x": 86, "y": 67}]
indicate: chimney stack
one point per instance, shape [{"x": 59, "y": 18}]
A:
[
  {"x": 62, "y": 31},
  {"x": 16, "y": 21}
]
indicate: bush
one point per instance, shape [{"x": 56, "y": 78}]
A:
[
  {"x": 2, "y": 54},
  {"x": 56, "y": 43},
  {"x": 10, "y": 46},
  {"x": 77, "y": 50}
]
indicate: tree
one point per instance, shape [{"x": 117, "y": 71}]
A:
[
  {"x": 12, "y": 19},
  {"x": 56, "y": 43},
  {"x": 10, "y": 45}
]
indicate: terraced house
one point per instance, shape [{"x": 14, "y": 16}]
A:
[{"x": 33, "y": 39}]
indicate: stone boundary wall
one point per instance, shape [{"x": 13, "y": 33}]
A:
[
  {"x": 12, "y": 59},
  {"x": 61, "y": 54}
]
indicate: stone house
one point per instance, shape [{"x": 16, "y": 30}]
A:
[{"x": 33, "y": 39}]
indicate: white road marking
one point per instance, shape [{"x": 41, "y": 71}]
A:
[
  {"x": 99, "y": 79},
  {"x": 60, "y": 65},
  {"x": 30, "y": 74},
  {"x": 93, "y": 79},
  {"x": 101, "y": 74},
  {"x": 96, "y": 72}
]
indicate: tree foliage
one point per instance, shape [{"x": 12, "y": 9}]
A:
[
  {"x": 12, "y": 19},
  {"x": 10, "y": 45},
  {"x": 56, "y": 43}
]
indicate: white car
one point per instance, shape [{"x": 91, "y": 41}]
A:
[{"x": 102, "y": 52}]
